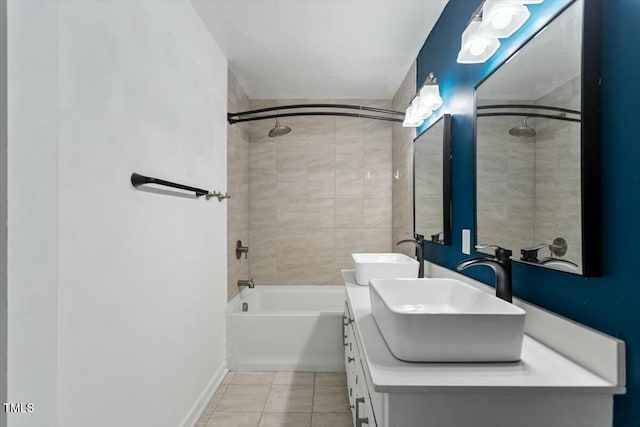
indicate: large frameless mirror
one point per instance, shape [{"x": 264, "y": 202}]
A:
[
  {"x": 537, "y": 148},
  {"x": 432, "y": 183}
]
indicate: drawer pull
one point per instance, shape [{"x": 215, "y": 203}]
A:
[
  {"x": 350, "y": 359},
  {"x": 360, "y": 420}
]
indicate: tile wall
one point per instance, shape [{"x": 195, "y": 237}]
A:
[
  {"x": 558, "y": 187},
  {"x": 505, "y": 182},
  {"x": 238, "y": 187},
  {"x": 529, "y": 187},
  {"x": 317, "y": 195},
  {"x": 402, "y": 182}
]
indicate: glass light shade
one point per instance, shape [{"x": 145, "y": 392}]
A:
[
  {"x": 501, "y": 18},
  {"x": 421, "y": 109},
  {"x": 411, "y": 118},
  {"x": 474, "y": 47},
  {"x": 430, "y": 97}
]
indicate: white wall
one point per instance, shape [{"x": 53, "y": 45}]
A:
[
  {"x": 141, "y": 280},
  {"x": 3, "y": 208},
  {"x": 32, "y": 56}
]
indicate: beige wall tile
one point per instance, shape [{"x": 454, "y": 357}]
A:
[
  {"x": 378, "y": 240},
  {"x": 349, "y": 153},
  {"x": 291, "y": 183},
  {"x": 291, "y": 213},
  {"x": 262, "y": 184},
  {"x": 312, "y": 181},
  {"x": 349, "y": 183},
  {"x": 349, "y": 213},
  {"x": 291, "y": 154},
  {"x": 320, "y": 183},
  {"x": 237, "y": 186},
  {"x": 377, "y": 184},
  {"x": 402, "y": 164},
  {"x": 377, "y": 213},
  {"x": 262, "y": 155},
  {"x": 319, "y": 212}
]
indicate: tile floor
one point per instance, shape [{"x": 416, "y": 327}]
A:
[{"x": 279, "y": 399}]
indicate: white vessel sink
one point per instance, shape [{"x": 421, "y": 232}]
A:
[
  {"x": 445, "y": 320},
  {"x": 383, "y": 266}
]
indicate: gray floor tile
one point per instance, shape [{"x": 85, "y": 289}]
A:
[
  {"x": 286, "y": 398},
  {"x": 243, "y": 398}
]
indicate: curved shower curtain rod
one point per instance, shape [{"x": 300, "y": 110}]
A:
[
  {"x": 530, "y": 107},
  {"x": 241, "y": 116}
]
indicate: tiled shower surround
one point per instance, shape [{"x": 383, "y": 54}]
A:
[
  {"x": 402, "y": 188},
  {"x": 317, "y": 194},
  {"x": 305, "y": 201},
  {"x": 527, "y": 193},
  {"x": 238, "y": 185}
]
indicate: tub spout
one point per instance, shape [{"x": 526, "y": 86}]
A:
[{"x": 248, "y": 283}]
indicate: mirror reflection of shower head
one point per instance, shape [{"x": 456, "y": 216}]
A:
[
  {"x": 523, "y": 131},
  {"x": 279, "y": 130}
]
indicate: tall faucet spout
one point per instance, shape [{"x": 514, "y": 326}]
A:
[
  {"x": 502, "y": 270},
  {"x": 418, "y": 243}
]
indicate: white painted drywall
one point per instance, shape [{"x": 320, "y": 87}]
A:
[
  {"x": 141, "y": 277},
  {"x": 32, "y": 57},
  {"x": 3, "y": 208}
]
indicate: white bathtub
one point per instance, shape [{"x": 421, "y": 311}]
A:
[{"x": 286, "y": 328}]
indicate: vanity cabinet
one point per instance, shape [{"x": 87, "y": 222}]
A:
[
  {"x": 544, "y": 389},
  {"x": 358, "y": 390}
]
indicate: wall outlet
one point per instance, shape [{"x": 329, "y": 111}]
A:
[{"x": 466, "y": 241}]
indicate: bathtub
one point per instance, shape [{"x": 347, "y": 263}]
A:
[{"x": 286, "y": 328}]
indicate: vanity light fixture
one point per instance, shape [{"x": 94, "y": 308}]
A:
[
  {"x": 476, "y": 47},
  {"x": 501, "y": 18},
  {"x": 492, "y": 20},
  {"x": 424, "y": 103}
]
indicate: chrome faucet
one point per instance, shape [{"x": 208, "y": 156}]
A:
[
  {"x": 248, "y": 283},
  {"x": 501, "y": 266},
  {"x": 418, "y": 241}
]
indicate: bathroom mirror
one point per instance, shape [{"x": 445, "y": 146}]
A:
[
  {"x": 536, "y": 149},
  {"x": 432, "y": 183}
]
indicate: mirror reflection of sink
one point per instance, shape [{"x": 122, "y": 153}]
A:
[
  {"x": 445, "y": 320},
  {"x": 383, "y": 266}
]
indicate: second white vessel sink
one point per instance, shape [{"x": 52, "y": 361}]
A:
[
  {"x": 383, "y": 266},
  {"x": 445, "y": 320}
]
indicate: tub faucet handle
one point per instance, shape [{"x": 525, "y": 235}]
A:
[{"x": 241, "y": 250}]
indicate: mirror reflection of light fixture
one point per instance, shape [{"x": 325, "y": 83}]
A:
[
  {"x": 424, "y": 103},
  {"x": 492, "y": 20}
]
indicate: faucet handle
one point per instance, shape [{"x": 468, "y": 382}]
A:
[{"x": 501, "y": 253}]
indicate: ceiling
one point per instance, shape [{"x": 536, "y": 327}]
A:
[{"x": 327, "y": 49}]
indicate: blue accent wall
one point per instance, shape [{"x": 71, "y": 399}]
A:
[{"x": 610, "y": 302}]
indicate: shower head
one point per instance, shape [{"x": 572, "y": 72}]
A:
[
  {"x": 279, "y": 130},
  {"x": 523, "y": 131}
]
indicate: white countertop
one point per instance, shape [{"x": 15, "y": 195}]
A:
[{"x": 541, "y": 369}]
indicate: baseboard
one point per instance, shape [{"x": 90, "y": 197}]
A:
[
  {"x": 205, "y": 396},
  {"x": 299, "y": 367}
]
